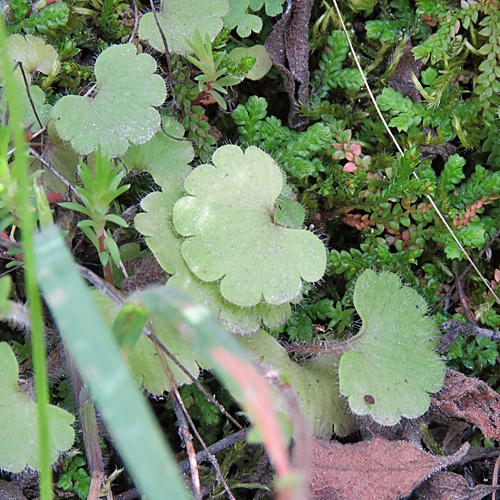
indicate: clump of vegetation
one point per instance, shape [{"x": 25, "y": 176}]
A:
[{"x": 320, "y": 243}]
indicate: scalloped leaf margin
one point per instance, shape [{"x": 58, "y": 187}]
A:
[
  {"x": 231, "y": 235},
  {"x": 122, "y": 110},
  {"x": 393, "y": 364}
]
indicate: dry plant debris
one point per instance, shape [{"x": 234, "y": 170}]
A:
[
  {"x": 372, "y": 470},
  {"x": 472, "y": 399}
]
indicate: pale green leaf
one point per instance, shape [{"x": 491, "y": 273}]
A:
[
  {"x": 393, "y": 365},
  {"x": 19, "y": 429},
  {"x": 179, "y": 19},
  {"x": 143, "y": 358},
  {"x": 156, "y": 224},
  {"x": 122, "y": 109},
  {"x": 34, "y": 54},
  {"x": 315, "y": 382},
  {"x": 165, "y": 158},
  {"x": 28, "y": 116},
  {"x": 239, "y": 18},
  {"x": 231, "y": 236},
  {"x": 273, "y": 7},
  {"x": 262, "y": 64}
]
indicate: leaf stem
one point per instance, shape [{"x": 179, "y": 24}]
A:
[{"x": 20, "y": 173}]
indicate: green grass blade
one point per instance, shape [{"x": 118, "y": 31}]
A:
[
  {"x": 24, "y": 211},
  {"x": 96, "y": 354}
]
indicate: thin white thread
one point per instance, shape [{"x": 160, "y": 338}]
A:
[{"x": 402, "y": 153}]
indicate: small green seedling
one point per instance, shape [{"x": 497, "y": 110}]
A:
[
  {"x": 97, "y": 193},
  {"x": 212, "y": 80}
]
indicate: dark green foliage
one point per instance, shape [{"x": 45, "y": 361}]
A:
[
  {"x": 332, "y": 73},
  {"x": 75, "y": 478},
  {"x": 206, "y": 416},
  {"x": 473, "y": 353},
  {"x": 398, "y": 19},
  {"x": 111, "y": 28},
  {"x": 194, "y": 121},
  {"x": 52, "y": 17}
]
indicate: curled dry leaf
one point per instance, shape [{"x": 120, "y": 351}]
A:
[
  {"x": 288, "y": 47},
  {"x": 452, "y": 487},
  {"x": 372, "y": 470},
  {"x": 472, "y": 399}
]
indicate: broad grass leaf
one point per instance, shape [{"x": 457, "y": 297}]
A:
[
  {"x": 393, "y": 365},
  {"x": 179, "y": 19},
  {"x": 143, "y": 358},
  {"x": 122, "y": 110},
  {"x": 19, "y": 446},
  {"x": 230, "y": 234}
]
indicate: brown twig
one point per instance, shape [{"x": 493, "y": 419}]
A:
[
  {"x": 185, "y": 435},
  {"x": 456, "y": 328},
  {"x": 119, "y": 299},
  {"x": 20, "y": 64},
  {"x": 461, "y": 294},
  {"x": 167, "y": 52},
  {"x": 200, "y": 457},
  {"x": 46, "y": 164},
  {"x": 465, "y": 272},
  {"x": 136, "y": 22},
  {"x": 182, "y": 414}
]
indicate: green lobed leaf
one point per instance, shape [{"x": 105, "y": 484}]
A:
[
  {"x": 315, "y": 383},
  {"x": 168, "y": 160},
  {"x": 262, "y": 64},
  {"x": 228, "y": 223},
  {"x": 273, "y": 7},
  {"x": 179, "y": 20},
  {"x": 19, "y": 446},
  {"x": 34, "y": 54},
  {"x": 393, "y": 365},
  {"x": 122, "y": 110},
  {"x": 239, "y": 18}
]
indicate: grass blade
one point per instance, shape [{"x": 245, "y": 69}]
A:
[{"x": 97, "y": 356}]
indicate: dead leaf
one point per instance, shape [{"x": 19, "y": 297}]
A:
[
  {"x": 452, "y": 487},
  {"x": 288, "y": 48},
  {"x": 372, "y": 470},
  {"x": 471, "y": 399},
  {"x": 401, "y": 79}
]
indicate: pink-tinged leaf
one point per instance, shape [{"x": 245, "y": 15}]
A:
[
  {"x": 350, "y": 167},
  {"x": 451, "y": 486},
  {"x": 372, "y": 470},
  {"x": 258, "y": 402},
  {"x": 4, "y": 235},
  {"x": 356, "y": 149},
  {"x": 472, "y": 399}
]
